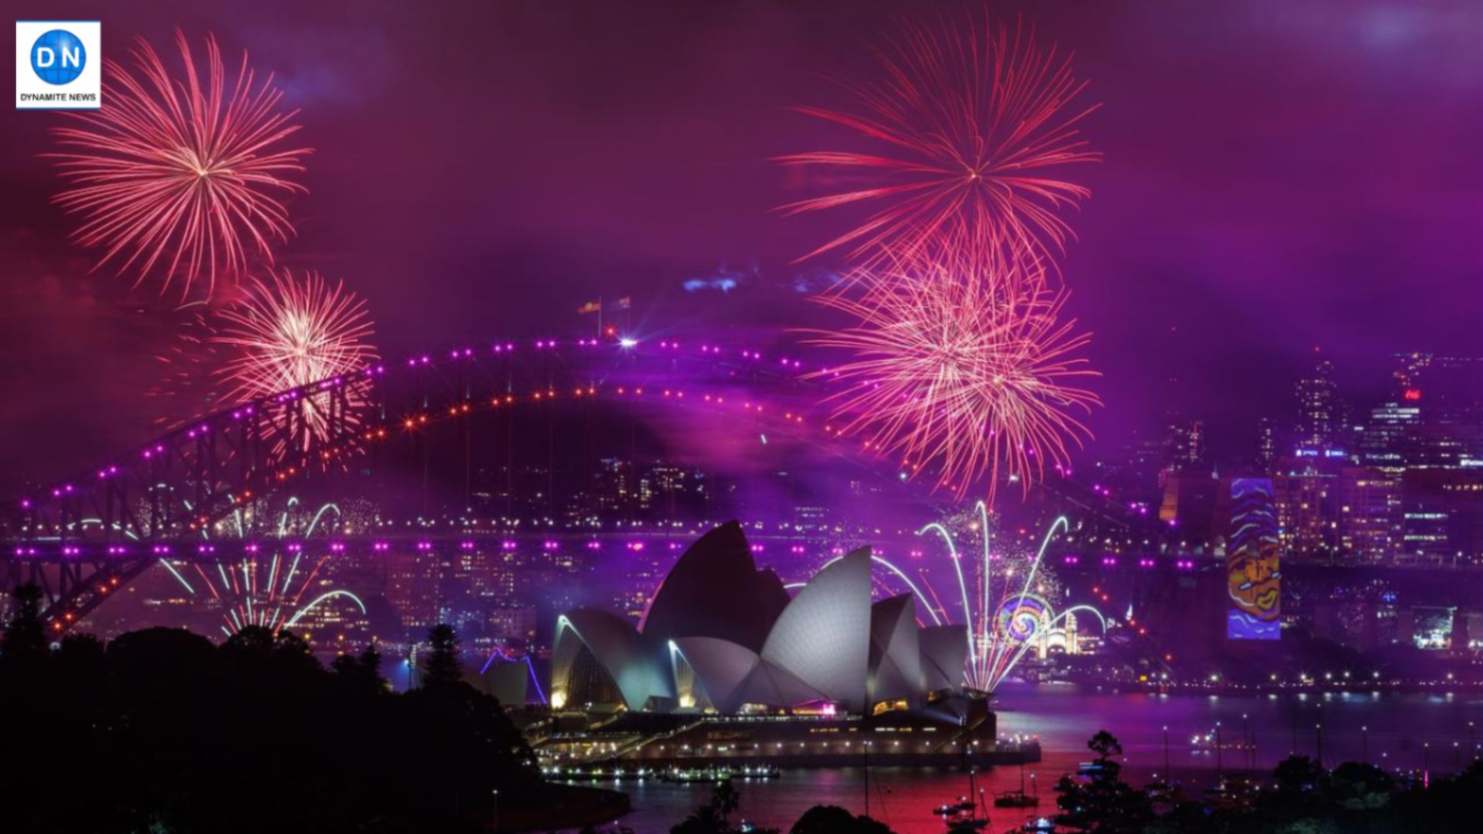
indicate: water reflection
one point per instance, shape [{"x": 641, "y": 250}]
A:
[{"x": 1437, "y": 731}]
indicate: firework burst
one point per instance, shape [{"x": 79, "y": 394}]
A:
[
  {"x": 181, "y": 177},
  {"x": 1003, "y": 597},
  {"x": 1001, "y": 594},
  {"x": 274, "y": 591},
  {"x": 290, "y": 332},
  {"x": 960, "y": 368},
  {"x": 969, "y": 133}
]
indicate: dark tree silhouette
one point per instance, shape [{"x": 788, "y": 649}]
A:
[
  {"x": 362, "y": 671},
  {"x": 441, "y": 666},
  {"x": 161, "y": 730},
  {"x": 1104, "y": 804},
  {"x": 714, "y": 817},
  {"x": 25, "y": 637},
  {"x": 832, "y": 819}
]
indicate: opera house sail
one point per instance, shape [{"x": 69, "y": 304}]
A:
[{"x": 722, "y": 636}]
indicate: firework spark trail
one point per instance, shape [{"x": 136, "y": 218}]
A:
[
  {"x": 252, "y": 601},
  {"x": 959, "y": 367},
  {"x": 996, "y": 629},
  {"x": 291, "y": 332},
  {"x": 185, "y": 175},
  {"x": 970, "y": 132}
]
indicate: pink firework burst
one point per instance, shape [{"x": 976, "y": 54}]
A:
[
  {"x": 290, "y": 332},
  {"x": 968, "y": 134},
  {"x": 962, "y": 366},
  {"x": 181, "y": 178}
]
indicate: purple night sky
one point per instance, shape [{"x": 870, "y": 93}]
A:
[{"x": 1280, "y": 176}]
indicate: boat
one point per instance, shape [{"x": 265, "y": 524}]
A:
[
  {"x": 1017, "y": 799},
  {"x": 1207, "y": 743},
  {"x": 966, "y": 819},
  {"x": 1089, "y": 769},
  {"x": 686, "y": 775},
  {"x": 720, "y": 774},
  {"x": 948, "y": 808}
]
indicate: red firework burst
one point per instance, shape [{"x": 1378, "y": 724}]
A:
[
  {"x": 291, "y": 332},
  {"x": 961, "y": 366},
  {"x": 181, "y": 177},
  {"x": 969, "y": 132}
]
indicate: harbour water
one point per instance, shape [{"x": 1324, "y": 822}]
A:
[{"x": 1432, "y": 731}]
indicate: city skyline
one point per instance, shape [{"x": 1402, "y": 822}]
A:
[
  {"x": 485, "y": 417},
  {"x": 1283, "y": 298}
]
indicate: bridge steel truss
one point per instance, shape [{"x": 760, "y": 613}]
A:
[{"x": 83, "y": 539}]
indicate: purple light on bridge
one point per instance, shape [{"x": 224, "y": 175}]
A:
[
  {"x": 294, "y": 547},
  {"x": 160, "y": 550},
  {"x": 1109, "y": 561},
  {"x": 1071, "y": 560},
  {"x": 594, "y": 545},
  {"x": 380, "y": 547},
  {"x": 205, "y": 548},
  {"x": 549, "y": 544},
  {"x": 1145, "y": 563},
  {"x": 337, "y": 547},
  {"x": 251, "y": 547},
  {"x": 424, "y": 546},
  {"x": 507, "y": 544},
  {"x": 117, "y": 550},
  {"x": 71, "y": 550},
  {"x": 466, "y": 545},
  {"x": 636, "y": 546}
]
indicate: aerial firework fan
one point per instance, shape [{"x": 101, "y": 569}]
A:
[
  {"x": 181, "y": 178},
  {"x": 960, "y": 367},
  {"x": 969, "y": 131},
  {"x": 1004, "y": 597},
  {"x": 275, "y": 589},
  {"x": 290, "y": 332}
]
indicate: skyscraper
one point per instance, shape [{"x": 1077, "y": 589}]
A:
[{"x": 1319, "y": 409}]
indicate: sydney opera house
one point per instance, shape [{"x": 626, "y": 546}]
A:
[{"x": 723, "y": 637}]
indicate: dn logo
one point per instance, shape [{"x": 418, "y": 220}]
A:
[{"x": 57, "y": 57}]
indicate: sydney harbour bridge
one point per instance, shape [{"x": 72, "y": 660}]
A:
[{"x": 83, "y": 538}]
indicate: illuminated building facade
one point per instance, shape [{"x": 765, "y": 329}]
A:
[{"x": 722, "y": 636}]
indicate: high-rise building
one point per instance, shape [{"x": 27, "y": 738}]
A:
[
  {"x": 1184, "y": 444},
  {"x": 1307, "y": 493},
  {"x": 1369, "y": 514},
  {"x": 1390, "y": 435},
  {"x": 1320, "y": 412},
  {"x": 412, "y": 589},
  {"x": 1269, "y": 443}
]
